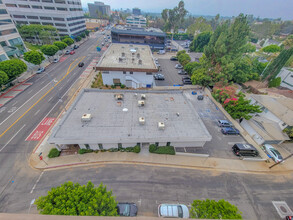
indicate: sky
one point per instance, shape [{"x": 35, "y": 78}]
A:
[{"x": 262, "y": 8}]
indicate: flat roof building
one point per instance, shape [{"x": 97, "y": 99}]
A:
[
  {"x": 153, "y": 37},
  {"x": 136, "y": 21},
  {"x": 99, "y": 9},
  {"x": 103, "y": 119},
  {"x": 66, "y": 16},
  {"x": 128, "y": 64}
]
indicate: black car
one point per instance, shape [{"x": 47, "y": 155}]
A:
[
  {"x": 200, "y": 97},
  {"x": 127, "y": 209},
  {"x": 185, "y": 77},
  {"x": 81, "y": 64},
  {"x": 75, "y": 46},
  {"x": 186, "y": 81},
  {"x": 174, "y": 58}
]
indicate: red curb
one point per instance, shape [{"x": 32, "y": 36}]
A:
[
  {"x": 1, "y": 105},
  {"x": 8, "y": 97}
]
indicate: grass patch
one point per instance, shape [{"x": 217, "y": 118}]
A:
[
  {"x": 162, "y": 149},
  {"x": 32, "y": 46}
]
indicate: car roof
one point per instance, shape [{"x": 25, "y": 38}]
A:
[
  {"x": 171, "y": 210},
  {"x": 245, "y": 146},
  {"x": 224, "y": 121}
]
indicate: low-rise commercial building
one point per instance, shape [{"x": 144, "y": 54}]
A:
[
  {"x": 104, "y": 119},
  {"x": 131, "y": 65},
  {"x": 136, "y": 21},
  {"x": 153, "y": 37}
]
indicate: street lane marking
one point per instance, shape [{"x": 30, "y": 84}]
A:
[
  {"x": 14, "y": 103},
  {"x": 50, "y": 99},
  {"x": 41, "y": 98},
  {"x": 37, "y": 112},
  {"x": 37, "y": 182},
  {"x": 12, "y": 137},
  {"x": 41, "y": 130}
]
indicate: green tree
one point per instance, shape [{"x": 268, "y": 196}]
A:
[
  {"x": 68, "y": 41},
  {"x": 49, "y": 50},
  {"x": 3, "y": 78},
  {"x": 289, "y": 131},
  {"x": 275, "y": 82},
  {"x": 61, "y": 45},
  {"x": 200, "y": 41},
  {"x": 200, "y": 25},
  {"x": 78, "y": 38},
  {"x": 34, "y": 57},
  {"x": 74, "y": 199},
  {"x": 211, "y": 209},
  {"x": 87, "y": 32},
  {"x": 241, "y": 108},
  {"x": 249, "y": 48},
  {"x": 189, "y": 67},
  {"x": 13, "y": 67},
  {"x": 271, "y": 49},
  {"x": 184, "y": 59},
  {"x": 288, "y": 43}
]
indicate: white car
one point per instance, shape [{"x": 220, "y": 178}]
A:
[
  {"x": 178, "y": 66},
  {"x": 56, "y": 60},
  {"x": 277, "y": 157},
  {"x": 173, "y": 211}
]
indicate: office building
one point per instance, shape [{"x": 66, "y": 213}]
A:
[
  {"x": 66, "y": 16},
  {"x": 10, "y": 40},
  {"x": 136, "y": 21},
  {"x": 136, "y": 11},
  {"x": 99, "y": 9}
]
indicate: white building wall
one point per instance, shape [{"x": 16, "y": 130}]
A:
[
  {"x": 139, "y": 79},
  {"x": 108, "y": 146},
  {"x": 286, "y": 77},
  {"x": 94, "y": 146},
  {"x": 258, "y": 139}
]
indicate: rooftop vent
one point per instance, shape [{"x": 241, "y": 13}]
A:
[
  {"x": 118, "y": 96},
  {"x": 132, "y": 60},
  {"x": 120, "y": 59},
  {"x": 140, "y": 62},
  {"x": 86, "y": 117},
  {"x": 141, "y": 120},
  {"x": 133, "y": 50},
  {"x": 141, "y": 103},
  {"x": 161, "y": 125},
  {"x": 143, "y": 97},
  {"x": 123, "y": 54},
  {"x": 138, "y": 55}
]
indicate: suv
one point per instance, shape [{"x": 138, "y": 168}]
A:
[
  {"x": 127, "y": 209},
  {"x": 224, "y": 123},
  {"x": 174, "y": 58},
  {"x": 40, "y": 70},
  {"x": 200, "y": 97},
  {"x": 244, "y": 150},
  {"x": 230, "y": 130},
  {"x": 173, "y": 211}
]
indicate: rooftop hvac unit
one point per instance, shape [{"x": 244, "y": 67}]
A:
[
  {"x": 123, "y": 54},
  {"x": 140, "y": 62},
  {"x": 143, "y": 96},
  {"x": 86, "y": 117},
  {"x": 141, "y": 103},
  {"x": 138, "y": 55},
  {"x": 161, "y": 125},
  {"x": 141, "y": 120},
  {"x": 120, "y": 59},
  {"x": 118, "y": 96}
]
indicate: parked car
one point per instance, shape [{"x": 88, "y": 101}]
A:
[
  {"x": 127, "y": 209},
  {"x": 182, "y": 72},
  {"x": 56, "y": 60},
  {"x": 81, "y": 64},
  {"x": 75, "y": 46},
  {"x": 186, "y": 81},
  {"x": 71, "y": 49},
  {"x": 173, "y": 211},
  {"x": 224, "y": 123},
  {"x": 178, "y": 66},
  {"x": 230, "y": 130},
  {"x": 174, "y": 58},
  {"x": 159, "y": 76},
  {"x": 67, "y": 52},
  {"x": 40, "y": 70},
  {"x": 103, "y": 44},
  {"x": 275, "y": 154},
  {"x": 244, "y": 150},
  {"x": 200, "y": 97},
  {"x": 185, "y": 77},
  {"x": 72, "y": 52}
]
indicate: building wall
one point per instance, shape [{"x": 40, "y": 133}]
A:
[
  {"x": 256, "y": 137},
  {"x": 287, "y": 78},
  {"x": 138, "y": 79},
  {"x": 66, "y": 15},
  {"x": 93, "y": 8}
]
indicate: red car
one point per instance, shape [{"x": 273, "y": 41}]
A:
[{"x": 72, "y": 52}]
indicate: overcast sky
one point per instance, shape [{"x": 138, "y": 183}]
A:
[{"x": 261, "y": 8}]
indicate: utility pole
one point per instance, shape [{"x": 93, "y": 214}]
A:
[{"x": 282, "y": 161}]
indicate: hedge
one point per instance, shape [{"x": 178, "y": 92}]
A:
[
  {"x": 54, "y": 152},
  {"x": 83, "y": 151},
  {"x": 161, "y": 149}
]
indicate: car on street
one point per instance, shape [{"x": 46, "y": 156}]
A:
[
  {"x": 127, "y": 209},
  {"x": 178, "y": 66},
  {"x": 174, "y": 58},
  {"x": 56, "y": 60},
  {"x": 230, "y": 130},
  {"x": 103, "y": 44},
  {"x": 185, "y": 77},
  {"x": 275, "y": 154},
  {"x": 159, "y": 76},
  {"x": 224, "y": 123},
  {"x": 81, "y": 64},
  {"x": 40, "y": 70},
  {"x": 200, "y": 97},
  {"x": 67, "y": 52},
  {"x": 187, "y": 81},
  {"x": 75, "y": 46},
  {"x": 173, "y": 211},
  {"x": 72, "y": 52},
  {"x": 182, "y": 72}
]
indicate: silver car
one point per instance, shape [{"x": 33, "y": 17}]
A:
[
  {"x": 277, "y": 157},
  {"x": 173, "y": 211}
]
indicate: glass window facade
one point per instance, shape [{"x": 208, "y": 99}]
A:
[{"x": 9, "y": 31}]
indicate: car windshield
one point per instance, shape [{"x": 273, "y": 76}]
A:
[
  {"x": 180, "y": 212},
  {"x": 277, "y": 153},
  {"x": 124, "y": 209}
]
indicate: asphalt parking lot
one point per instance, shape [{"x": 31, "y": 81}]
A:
[{"x": 220, "y": 145}]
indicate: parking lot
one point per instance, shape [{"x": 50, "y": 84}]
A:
[{"x": 220, "y": 145}]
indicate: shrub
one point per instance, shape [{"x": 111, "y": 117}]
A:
[
  {"x": 54, "y": 152},
  {"x": 122, "y": 86},
  {"x": 84, "y": 151},
  {"x": 129, "y": 149},
  {"x": 106, "y": 85},
  {"x": 275, "y": 82},
  {"x": 113, "y": 86},
  {"x": 136, "y": 149},
  {"x": 103, "y": 150},
  {"x": 152, "y": 148},
  {"x": 165, "y": 150}
]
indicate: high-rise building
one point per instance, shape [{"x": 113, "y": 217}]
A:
[
  {"x": 66, "y": 15},
  {"x": 136, "y": 11},
  {"x": 11, "y": 43},
  {"x": 99, "y": 9},
  {"x": 136, "y": 21}
]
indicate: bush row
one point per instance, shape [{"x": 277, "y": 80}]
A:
[
  {"x": 54, "y": 152},
  {"x": 135, "y": 149},
  {"x": 161, "y": 149}
]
